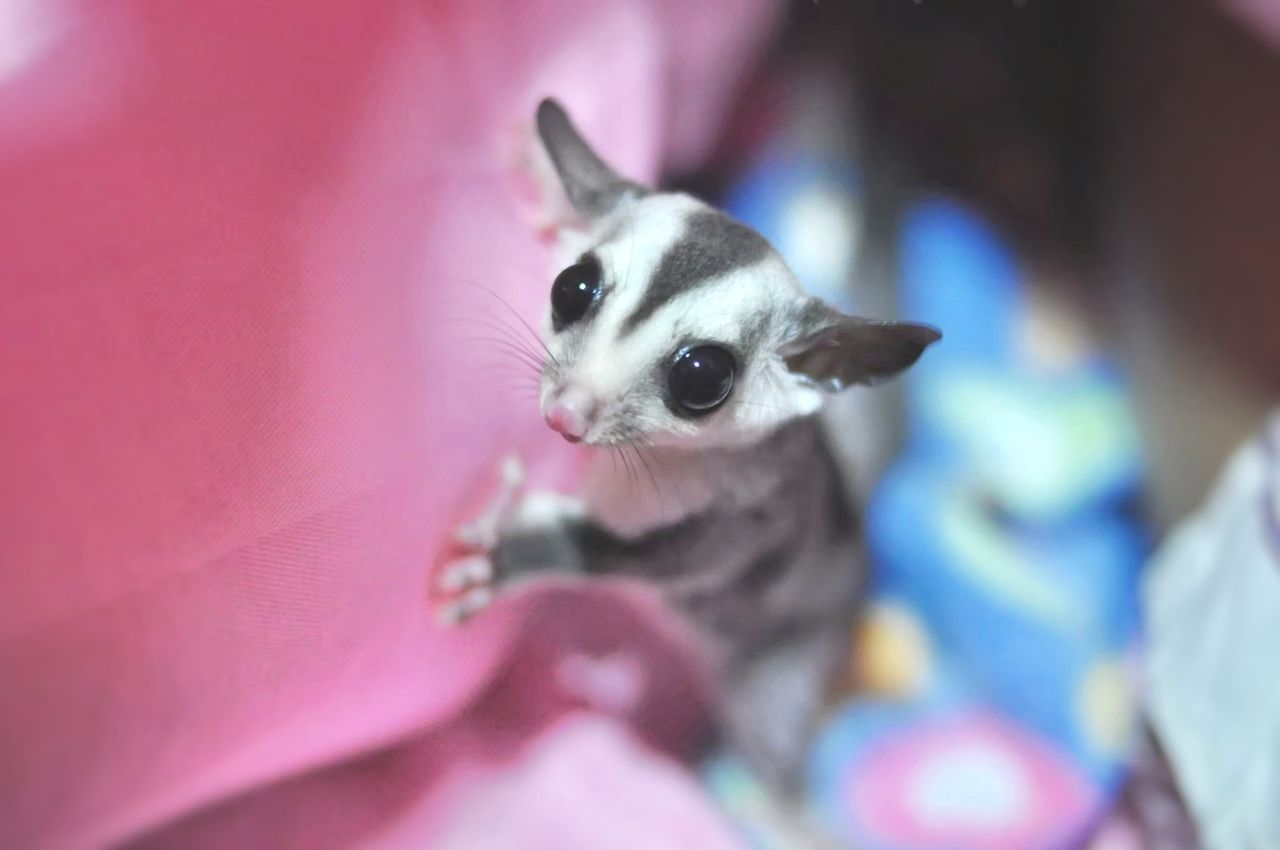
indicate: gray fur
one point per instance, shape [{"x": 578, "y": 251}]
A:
[
  {"x": 763, "y": 577},
  {"x": 836, "y": 351},
  {"x": 592, "y": 186},
  {"x": 766, "y": 559},
  {"x": 713, "y": 245}
]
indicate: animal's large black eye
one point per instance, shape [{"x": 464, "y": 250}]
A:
[
  {"x": 574, "y": 290},
  {"x": 701, "y": 378}
]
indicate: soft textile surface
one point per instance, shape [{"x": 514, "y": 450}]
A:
[
  {"x": 1212, "y": 602},
  {"x": 571, "y": 793},
  {"x": 1263, "y": 16},
  {"x": 243, "y": 248}
]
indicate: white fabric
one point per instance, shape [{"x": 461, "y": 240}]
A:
[{"x": 1212, "y": 602}]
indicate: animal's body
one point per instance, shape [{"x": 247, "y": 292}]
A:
[{"x": 678, "y": 333}]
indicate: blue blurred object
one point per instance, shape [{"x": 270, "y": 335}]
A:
[
  {"x": 1006, "y": 554},
  {"x": 955, "y": 273},
  {"x": 1003, "y": 540},
  {"x": 1043, "y": 444},
  {"x": 807, "y": 203}
]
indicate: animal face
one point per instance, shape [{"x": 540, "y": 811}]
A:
[
  {"x": 665, "y": 330},
  {"x": 673, "y": 324}
]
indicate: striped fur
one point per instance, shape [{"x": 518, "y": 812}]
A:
[{"x": 746, "y": 528}]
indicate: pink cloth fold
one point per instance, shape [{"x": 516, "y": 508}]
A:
[{"x": 247, "y": 253}]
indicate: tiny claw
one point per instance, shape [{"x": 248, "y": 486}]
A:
[
  {"x": 450, "y": 615},
  {"x": 465, "y": 573},
  {"x": 465, "y": 607},
  {"x": 474, "y": 535}
]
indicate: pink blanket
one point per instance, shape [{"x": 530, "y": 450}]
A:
[{"x": 247, "y": 253}]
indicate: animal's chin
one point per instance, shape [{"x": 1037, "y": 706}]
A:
[{"x": 605, "y": 441}]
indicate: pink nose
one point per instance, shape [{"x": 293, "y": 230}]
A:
[{"x": 566, "y": 421}]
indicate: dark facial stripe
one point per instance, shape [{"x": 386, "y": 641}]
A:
[{"x": 712, "y": 245}]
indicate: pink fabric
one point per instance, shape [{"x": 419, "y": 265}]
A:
[
  {"x": 439, "y": 778},
  {"x": 1263, "y": 16},
  {"x": 242, "y": 398},
  {"x": 570, "y": 793}
]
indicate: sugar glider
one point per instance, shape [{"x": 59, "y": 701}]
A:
[{"x": 676, "y": 331}]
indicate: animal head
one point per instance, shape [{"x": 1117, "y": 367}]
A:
[{"x": 673, "y": 324}]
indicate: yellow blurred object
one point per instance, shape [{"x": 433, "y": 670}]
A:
[
  {"x": 1106, "y": 708},
  {"x": 892, "y": 655}
]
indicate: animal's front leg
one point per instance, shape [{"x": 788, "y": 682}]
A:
[{"x": 516, "y": 535}]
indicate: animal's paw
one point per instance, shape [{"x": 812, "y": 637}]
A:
[
  {"x": 464, "y": 588},
  {"x": 464, "y": 584}
]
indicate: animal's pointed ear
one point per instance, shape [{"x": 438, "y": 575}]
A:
[
  {"x": 835, "y": 351},
  {"x": 593, "y": 187}
]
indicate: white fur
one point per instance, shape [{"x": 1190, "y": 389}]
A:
[{"x": 618, "y": 368}]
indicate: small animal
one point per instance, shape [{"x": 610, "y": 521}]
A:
[{"x": 678, "y": 335}]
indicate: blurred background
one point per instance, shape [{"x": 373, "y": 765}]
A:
[{"x": 235, "y": 426}]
